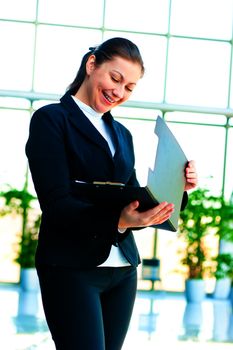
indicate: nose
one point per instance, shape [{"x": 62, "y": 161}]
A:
[{"x": 119, "y": 91}]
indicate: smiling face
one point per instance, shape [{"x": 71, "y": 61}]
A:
[{"x": 110, "y": 84}]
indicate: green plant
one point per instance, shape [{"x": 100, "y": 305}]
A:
[
  {"x": 19, "y": 202},
  {"x": 223, "y": 265},
  {"x": 223, "y": 262},
  {"x": 198, "y": 221},
  {"x": 225, "y": 220}
]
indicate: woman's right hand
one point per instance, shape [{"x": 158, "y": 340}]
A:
[{"x": 131, "y": 217}]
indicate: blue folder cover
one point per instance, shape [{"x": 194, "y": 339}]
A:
[{"x": 165, "y": 182}]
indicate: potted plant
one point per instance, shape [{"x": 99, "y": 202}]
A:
[
  {"x": 222, "y": 270},
  {"x": 19, "y": 202},
  {"x": 225, "y": 227},
  {"x": 197, "y": 222},
  {"x": 223, "y": 262}
]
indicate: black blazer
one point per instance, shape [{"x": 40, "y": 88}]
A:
[{"x": 64, "y": 146}]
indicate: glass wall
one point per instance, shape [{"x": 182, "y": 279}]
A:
[{"x": 187, "y": 50}]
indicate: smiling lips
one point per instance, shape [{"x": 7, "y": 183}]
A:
[{"x": 108, "y": 98}]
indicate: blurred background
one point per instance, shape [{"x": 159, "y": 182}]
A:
[{"x": 187, "y": 50}]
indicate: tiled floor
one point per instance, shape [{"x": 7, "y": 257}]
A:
[{"x": 160, "y": 320}]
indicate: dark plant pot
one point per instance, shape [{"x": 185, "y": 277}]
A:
[
  {"x": 195, "y": 290},
  {"x": 150, "y": 269}
]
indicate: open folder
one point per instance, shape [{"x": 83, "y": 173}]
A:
[{"x": 165, "y": 182}]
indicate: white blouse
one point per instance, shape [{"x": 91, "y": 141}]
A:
[{"x": 116, "y": 257}]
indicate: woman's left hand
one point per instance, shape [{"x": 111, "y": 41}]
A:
[{"x": 190, "y": 175}]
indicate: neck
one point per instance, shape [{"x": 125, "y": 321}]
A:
[
  {"x": 81, "y": 94},
  {"x": 86, "y": 108}
]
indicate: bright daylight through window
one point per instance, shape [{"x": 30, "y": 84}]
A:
[{"x": 187, "y": 51}]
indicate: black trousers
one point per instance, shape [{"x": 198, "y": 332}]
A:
[{"x": 88, "y": 309}]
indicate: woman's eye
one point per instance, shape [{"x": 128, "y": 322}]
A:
[
  {"x": 115, "y": 79},
  {"x": 129, "y": 89}
]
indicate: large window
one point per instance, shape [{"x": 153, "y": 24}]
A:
[{"x": 187, "y": 50}]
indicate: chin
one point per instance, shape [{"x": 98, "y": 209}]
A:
[{"x": 103, "y": 109}]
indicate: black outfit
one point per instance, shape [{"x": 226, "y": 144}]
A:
[
  {"x": 86, "y": 307},
  {"x": 64, "y": 146}
]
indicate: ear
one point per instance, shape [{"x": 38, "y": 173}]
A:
[{"x": 90, "y": 65}]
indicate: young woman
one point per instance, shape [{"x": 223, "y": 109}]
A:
[{"x": 87, "y": 257}]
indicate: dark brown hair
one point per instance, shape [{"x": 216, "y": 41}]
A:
[{"x": 106, "y": 51}]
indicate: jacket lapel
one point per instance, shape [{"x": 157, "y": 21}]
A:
[
  {"x": 83, "y": 124},
  {"x": 124, "y": 155},
  {"x": 123, "y": 159},
  {"x": 108, "y": 119}
]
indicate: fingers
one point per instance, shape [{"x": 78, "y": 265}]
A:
[
  {"x": 160, "y": 209},
  {"x": 131, "y": 217},
  {"x": 162, "y": 213},
  {"x": 156, "y": 215},
  {"x": 191, "y": 164},
  {"x": 190, "y": 168},
  {"x": 133, "y": 205},
  {"x": 191, "y": 175}
]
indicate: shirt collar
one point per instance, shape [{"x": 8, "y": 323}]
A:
[{"x": 87, "y": 109}]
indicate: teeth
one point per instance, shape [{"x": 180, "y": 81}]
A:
[{"x": 108, "y": 98}]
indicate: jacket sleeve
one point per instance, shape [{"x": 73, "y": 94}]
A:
[{"x": 47, "y": 156}]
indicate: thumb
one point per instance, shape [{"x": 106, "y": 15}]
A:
[{"x": 134, "y": 205}]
